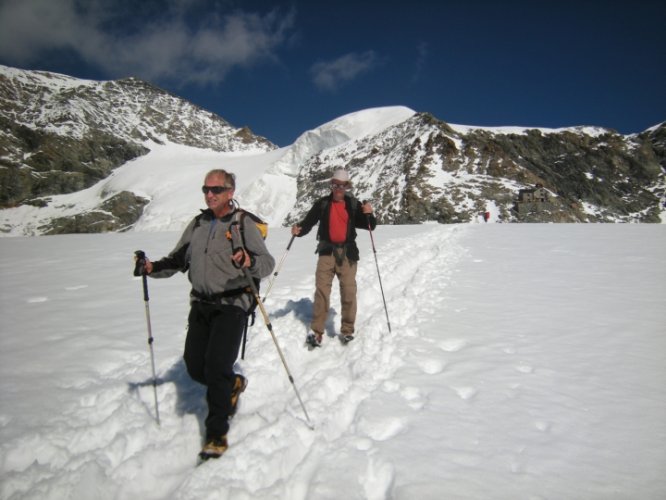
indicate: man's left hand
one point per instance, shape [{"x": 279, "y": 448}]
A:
[{"x": 241, "y": 258}]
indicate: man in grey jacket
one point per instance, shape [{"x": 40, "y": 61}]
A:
[{"x": 213, "y": 249}]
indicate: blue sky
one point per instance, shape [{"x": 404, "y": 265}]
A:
[{"x": 283, "y": 67}]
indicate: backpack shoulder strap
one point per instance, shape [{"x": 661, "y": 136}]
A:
[
  {"x": 197, "y": 219},
  {"x": 353, "y": 202}
]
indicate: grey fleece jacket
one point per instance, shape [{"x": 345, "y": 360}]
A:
[{"x": 205, "y": 251}]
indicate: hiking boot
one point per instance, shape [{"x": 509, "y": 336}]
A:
[
  {"x": 214, "y": 448},
  {"x": 240, "y": 383},
  {"x": 345, "y": 338},
  {"x": 314, "y": 339}
]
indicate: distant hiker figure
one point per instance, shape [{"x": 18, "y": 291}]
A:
[
  {"x": 339, "y": 215},
  {"x": 486, "y": 216},
  {"x": 219, "y": 300}
]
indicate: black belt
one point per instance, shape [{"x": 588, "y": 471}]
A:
[{"x": 217, "y": 297}]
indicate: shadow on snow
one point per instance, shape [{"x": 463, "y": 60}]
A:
[
  {"x": 190, "y": 395},
  {"x": 302, "y": 310}
]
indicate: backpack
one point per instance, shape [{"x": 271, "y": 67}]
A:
[
  {"x": 262, "y": 226},
  {"x": 242, "y": 214}
]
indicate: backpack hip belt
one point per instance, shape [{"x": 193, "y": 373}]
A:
[{"x": 216, "y": 298}]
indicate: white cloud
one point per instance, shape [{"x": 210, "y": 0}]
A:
[
  {"x": 30, "y": 27},
  {"x": 166, "y": 46},
  {"x": 330, "y": 75}
]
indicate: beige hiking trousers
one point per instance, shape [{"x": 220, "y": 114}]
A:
[{"x": 327, "y": 269}]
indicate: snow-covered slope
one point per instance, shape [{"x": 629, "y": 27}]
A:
[
  {"x": 275, "y": 193},
  {"x": 170, "y": 175},
  {"x": 524, "y": 361}
]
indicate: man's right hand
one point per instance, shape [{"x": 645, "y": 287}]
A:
[
  {"x": 295, "y": 230},
  {"x": 141, "y": 263}
]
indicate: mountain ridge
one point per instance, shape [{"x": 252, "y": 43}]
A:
[
  {"x": 62, "y": 134},
  {"x": 413, "y": 166}
]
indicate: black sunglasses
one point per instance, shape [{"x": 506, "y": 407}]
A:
[{"x": 214, "y": 189}]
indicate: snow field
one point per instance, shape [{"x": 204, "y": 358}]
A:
[{"x": 524, "y": 361}]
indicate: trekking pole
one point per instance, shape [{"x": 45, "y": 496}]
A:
[
  {"x": 270, "y": 285},
  {"x": 255, "y": 292},
  {"x": 139, "y": 270},
  {"x": 374, "y": 250},
  {"x": 279, "y": 266}
]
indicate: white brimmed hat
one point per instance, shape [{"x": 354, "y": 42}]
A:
[{"x": 340, "y": 175}]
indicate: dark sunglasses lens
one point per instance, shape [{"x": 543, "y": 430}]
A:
[
  {"x": 338, "y": 186},
  {"x": 214, "y": 189}
]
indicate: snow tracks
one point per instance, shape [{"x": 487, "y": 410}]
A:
[{"x": 349, "y": 391}]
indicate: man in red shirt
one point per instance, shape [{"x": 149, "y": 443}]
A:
[{"x": 339, "y": 215}]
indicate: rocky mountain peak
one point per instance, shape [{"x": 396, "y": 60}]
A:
[
  {"x": 62, "y": 134},
  {"x": 423, "y": 169}
]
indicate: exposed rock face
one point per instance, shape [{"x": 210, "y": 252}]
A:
[
  {"x": 424, "y": 169},
  {"x": 116, "y": 214},
  {"x": 39, "y": 163}
]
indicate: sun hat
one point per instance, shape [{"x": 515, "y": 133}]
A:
[{"x": 340, "y": 175}]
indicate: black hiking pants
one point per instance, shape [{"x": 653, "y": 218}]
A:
[{"x": 214, "y": 335}]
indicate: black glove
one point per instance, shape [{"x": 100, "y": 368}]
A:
[{"x": 139, "y": 263}]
